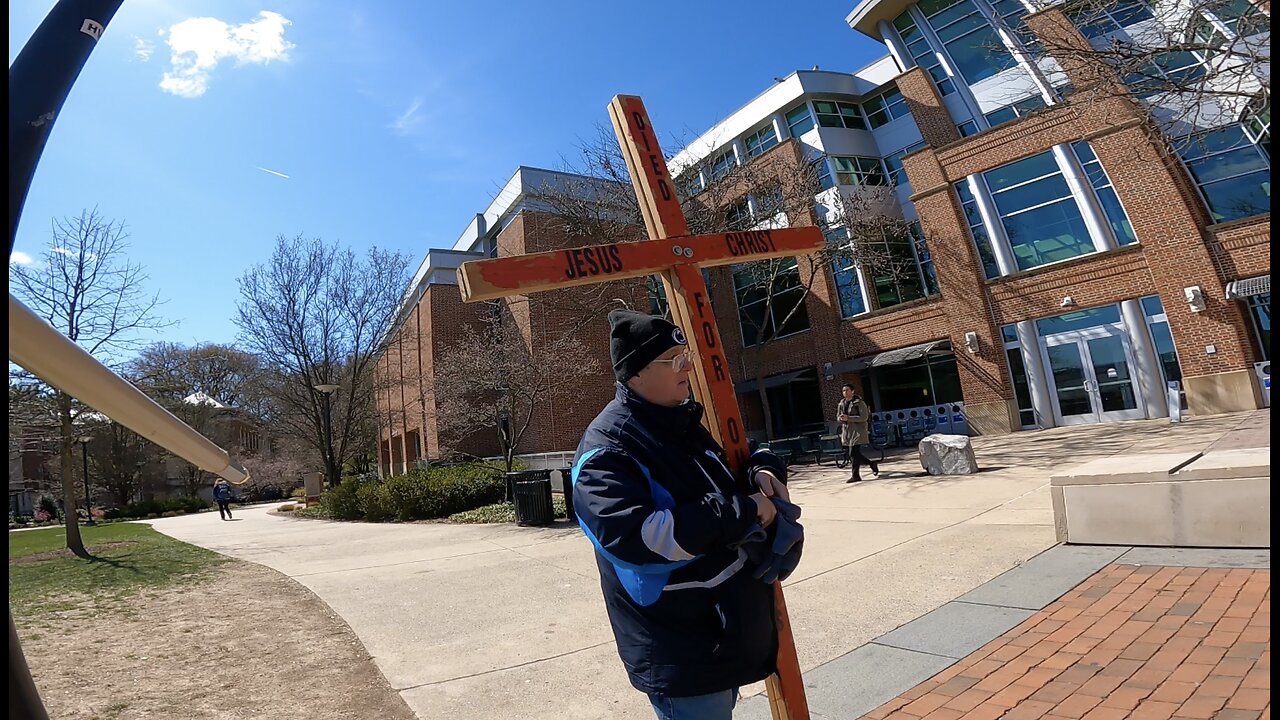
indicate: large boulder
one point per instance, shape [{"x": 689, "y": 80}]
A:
[{"x": 948, "y": 455}]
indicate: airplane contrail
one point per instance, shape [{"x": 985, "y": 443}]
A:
[{"x": 273, "y": 172}]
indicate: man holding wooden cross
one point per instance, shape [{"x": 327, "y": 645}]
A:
[
  {"x": 660, "y": 457},
  {"x": 685, "y": 562}
]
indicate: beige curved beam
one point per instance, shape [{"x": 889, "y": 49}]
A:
[{"x": 47, "y": 353}]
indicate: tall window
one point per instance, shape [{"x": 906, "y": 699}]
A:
[
  {"x": 761, "y": 140},
  {"x": 1116, "y": 216},
  {"x": 770, "y": 300},
  {"x": 1171, "y": 71},
  {"x": 1018, "y": 374},
  {"x": 978, "y": 229},
  {"x": 923, "y": 53},
  {"x": 738, "y": 215},
  {"x": 858, "y": 171},
  {"x": 839, "y": 114},
  {"x": 1260, "y": 312},
  {"x": 823, "y": 171},
  {"x": 898, "y": 270},
  {"x": 799, "y": 121},
  {"x": 887, "y": 106},
  {"x": 848, "y": 285},
  {"x": 924, "y": 259},
  {"x": 1158, "y": 323},
  {"x": 972, "y": 42},
  {"x": 1232, "y": 166},
  {"x": 1041, "y": 217}
]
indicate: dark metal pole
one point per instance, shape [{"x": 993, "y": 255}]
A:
[
  {"x": 331, "y": 466},
  {"x": 40, "y": 79},
  {"x": 88, "y": 504}
]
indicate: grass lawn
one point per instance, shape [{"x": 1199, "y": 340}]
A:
[{"x": 44, "y": 577}]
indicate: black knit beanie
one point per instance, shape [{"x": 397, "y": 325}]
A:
[{"x": 637, "y": 339}]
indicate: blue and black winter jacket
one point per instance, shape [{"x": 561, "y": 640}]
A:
[{"x": 653, "y": 493}]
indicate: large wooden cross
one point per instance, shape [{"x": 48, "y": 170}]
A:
[{"x": 678, "y": 259}]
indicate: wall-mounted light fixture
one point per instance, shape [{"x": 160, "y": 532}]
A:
[
  {"x": 1068, "y": 301},
  {"x": 971, "y": 341},
  {"x": 1195, "y": 298}
]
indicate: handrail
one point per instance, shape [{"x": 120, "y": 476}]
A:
[{"x": 47, "y": 353}]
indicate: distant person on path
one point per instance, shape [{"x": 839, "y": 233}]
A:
[
  {"x": 222, "y": 495},
  {"x": 852, "y": 414},
  {"x": 684, "y": 562}
]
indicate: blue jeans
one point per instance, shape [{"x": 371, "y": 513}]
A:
[{"x": 715, "y": 706}]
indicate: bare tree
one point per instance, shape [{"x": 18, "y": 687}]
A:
[
  {"x": 782, "y": 186},
  {"x": 490, "y": 378},
  {"x": 86, "y": 288},
  {"x": 317, "y": 315}
]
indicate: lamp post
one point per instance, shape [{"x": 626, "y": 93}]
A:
[
  {"x": 84, "y": 441},
  {"x": 330, "y": 466}
]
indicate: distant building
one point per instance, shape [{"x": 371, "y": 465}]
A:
[{"x": 1069, "y": 262}]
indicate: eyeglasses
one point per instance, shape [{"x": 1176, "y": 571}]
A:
[{"x": 681, "y": 362}]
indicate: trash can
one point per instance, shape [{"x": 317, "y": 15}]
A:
[
  {"x": 566, "y": 488},
  {"x": 531, "y": 493}
]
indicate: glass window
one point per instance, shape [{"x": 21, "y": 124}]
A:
[
  {"x": 796, "y": 406},
  {"x": 1232, "y": 167},
  {"x": 923, "y": 53},
  {"x": 1260, "y": 311},
  {"x": 925, "y": 260},
  {"x": 895, "y": 273},
  {"x": 761, "y": 140},
  {"x": 1040, "y": 215},
  {"x": 823, "y": 171},
  {"x": 1095, "y": 20},
  {"x": 845, "y": 273},
  {"x": 799, "y": 121},
  {"x": 1117, "y": 218},
  {"x": 986, "y": 254},
  {"x": 1021, "y": 108},
  {"x": 1158, "y": 323},
  {"x": 1171, "y": 71},
  {"x": 967, "y": 128},
  {"x": 738, "y": 215},
  {"x": 770, "y": 300},
  {"x": 1018, "y": 373},
  {"x": 723, "y": 163},
  {"x": 1079, "y": 320},
  {"x": 893, "y": 164},
  {"x": 1242, "y": 16},
  {"x": 975, "y": 47},
  {"x": 885, "y": 107},
  {"x": 839, "y": 114},
  {"x": 858, "y": 171},
  {"x": 690, "y": 183}
]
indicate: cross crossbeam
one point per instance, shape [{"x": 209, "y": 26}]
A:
[{"x": 678, "y": 258}]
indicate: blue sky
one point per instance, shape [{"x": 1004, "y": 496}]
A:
[{"x": 394, "y": 122}]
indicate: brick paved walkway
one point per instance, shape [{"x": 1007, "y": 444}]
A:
[{"x": 1130, "y": 642}]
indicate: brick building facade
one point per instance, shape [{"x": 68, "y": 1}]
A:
[{"x": 1074, "y": 255}]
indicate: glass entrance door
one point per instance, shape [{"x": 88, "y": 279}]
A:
[{"x": 1092, "y": 376}]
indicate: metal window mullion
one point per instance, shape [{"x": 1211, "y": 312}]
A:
[{"x": 1019, "y": 53}]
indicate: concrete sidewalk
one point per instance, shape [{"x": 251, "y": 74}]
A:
[{"x": 507, "y": 622}]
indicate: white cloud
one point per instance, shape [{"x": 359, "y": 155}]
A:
[
  {"x": 197, "y": 46},
  {"x": 63, "y": 251},
  {"x": 18, "y": 257},
  {"x": 142, "y": 49},
  {"x": 406, "y": 121}
]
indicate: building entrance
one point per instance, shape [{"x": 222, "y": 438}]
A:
[{"x": 1091, "y": 375}]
